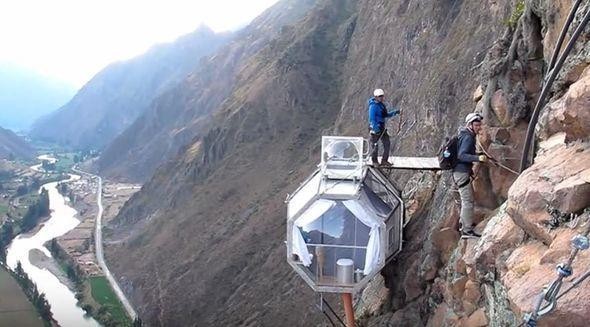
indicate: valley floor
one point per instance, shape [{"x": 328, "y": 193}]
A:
[
  {"x": 79, "y": 242},
  {"x": 78, "y": 250}
]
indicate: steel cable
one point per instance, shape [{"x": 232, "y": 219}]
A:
[
  {"x": 547, "y": 85},
  {"x": 333, "y": 312},
  {"x": 563, "y": 33},
  {"x": 551, "y": 295}
]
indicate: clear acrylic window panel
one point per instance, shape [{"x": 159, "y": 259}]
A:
[
  {"x": 339, "y": 188},
  {"x": 303, "y": 195},
  {"x": 374, "y": 187},
  {"x": 394, "y": 230},
  {"x": 380, "y": 195},
  {"x": 371, "y": 200},
  {"x": 337, "y": 234},
  {"x": 342, "y": 157}
]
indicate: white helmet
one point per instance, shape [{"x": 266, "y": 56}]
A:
[
  {"x": 378, "y": 92},
  {"x": 474, "y": 116}
]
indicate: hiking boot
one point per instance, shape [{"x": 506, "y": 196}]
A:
[
  {"x": 469, "y": 234},
  {"x": 385, "y": 164}
]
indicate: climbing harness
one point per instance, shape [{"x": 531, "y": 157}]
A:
[
  {"x": 554, "y": 69},
  {"x": 547, "y": 300}
]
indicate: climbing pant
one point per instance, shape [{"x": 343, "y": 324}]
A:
[
  {"x": 466, "y": 193},
  {"x": 375, "y": 146}
]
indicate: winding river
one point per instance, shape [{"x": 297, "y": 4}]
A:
[{"x": 62, "y": 300}]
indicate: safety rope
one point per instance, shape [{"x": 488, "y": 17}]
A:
[
  {"x": 498, "y": 164},
  {"x": 495, "y": 161},
  {"x": 574, "y": 284},
  {"x": 547, "y": 300}
]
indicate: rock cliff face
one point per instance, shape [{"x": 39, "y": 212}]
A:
[
  {"x": 527, "y": 221},
  {"x": 209, "y": 224},
  {"x": 14, "y": 147},
  {"x": 185, "y": 111},
  {"x": 117, "y": 95}
]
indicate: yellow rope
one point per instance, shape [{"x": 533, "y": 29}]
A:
[{"x": 494, "y": 161}]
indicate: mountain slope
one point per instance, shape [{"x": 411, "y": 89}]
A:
[
  {"x": 182, "y": 113},
  {"x": 26, "y": 96},
  {"x": 13, "y": 147},
  {"x": 215, "y": 213},
  {"x": 117, "y": 95}
]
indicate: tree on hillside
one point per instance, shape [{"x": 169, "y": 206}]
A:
[
  {"x": 32, "y": 292},
  {"x": 43, "y": 307},
  {"x": 35, "y": 211},
  {"x": 47, "y": 166},
  {"x": 62, "y": 188},
  {"x": 44, "y": 203},
  {"x": 6, "y": 175},
  {"x": 22, "y": 190},
  {"x": 36, "y": 183},
  {"x": 6, "y": 235}
]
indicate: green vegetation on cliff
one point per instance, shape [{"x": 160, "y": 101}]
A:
[{"x": 36, "y": 211}]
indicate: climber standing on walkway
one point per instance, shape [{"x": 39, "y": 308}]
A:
[
  {"x": 377, "y": 115},
  {"x": 462, "y": 172}
]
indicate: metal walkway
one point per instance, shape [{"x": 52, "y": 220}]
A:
[{"x": 413, "y": 163}]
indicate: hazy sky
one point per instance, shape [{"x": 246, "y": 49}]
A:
[{"x": 72, "y": 40}]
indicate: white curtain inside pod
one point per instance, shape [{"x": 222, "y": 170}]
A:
[
  {"x": 373, "y": 248},
  {"x": 315, "y": 211}
]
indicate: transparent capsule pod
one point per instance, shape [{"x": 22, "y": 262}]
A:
[{"x": 344, "y": 222}]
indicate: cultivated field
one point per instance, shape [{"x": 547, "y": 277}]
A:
[{"x": 15, "y": 309}]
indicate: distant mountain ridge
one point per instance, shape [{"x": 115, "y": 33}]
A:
[
  {"x": 184, "y": 112},
  {"x": 25, "y": 96},
  {"x": 13, "y": 146},
  {"x": 116, "y": 96}
]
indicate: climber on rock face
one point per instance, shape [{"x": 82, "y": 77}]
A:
[
  {"x": 377, "y": 115},
  {"x": 462, "y": 172}
]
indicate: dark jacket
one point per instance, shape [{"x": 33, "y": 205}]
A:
[
  {"x": 377, "y": 115},
  {"x": 465, "y": 151}
]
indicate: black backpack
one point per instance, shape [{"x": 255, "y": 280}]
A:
[{"x": 447, "y": 155}]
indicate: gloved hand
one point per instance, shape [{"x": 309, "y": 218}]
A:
[
  {"x": 395, "y": 112},
  {"x": 482, "y": 158}
]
